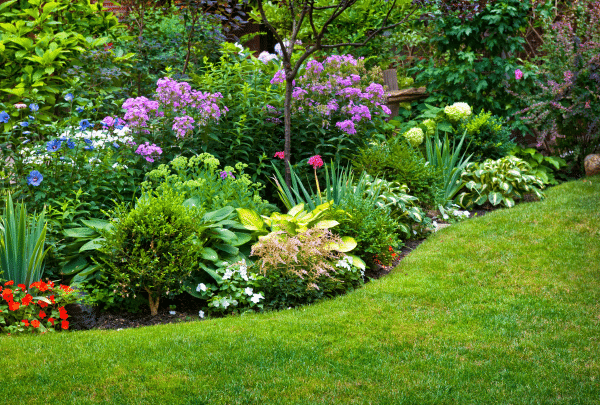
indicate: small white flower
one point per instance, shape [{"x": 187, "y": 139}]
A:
[
  {"x": 172, "y": 312},
  {"x": 201, "y": 314},
  {"x": 445, "y": 216},
  {"x": 227, "y": 274},
  {"x": 201, "y": 287},
  {"x": 225, "y": 303},
  {"x": 256, "y": 297},
  {"x": 249, "y": 291}
]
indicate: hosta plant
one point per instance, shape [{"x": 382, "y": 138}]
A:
[{"x": 498, "y": 182}]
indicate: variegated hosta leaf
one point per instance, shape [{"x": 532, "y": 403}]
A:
[
  {"x": 495, "y": 198},
  {"x": 471, "y": 185},
  {"x": 509, "y": 202},
  {"x": 481, "y": 199}
]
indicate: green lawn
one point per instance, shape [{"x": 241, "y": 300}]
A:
[{"x": 502, "y": 309}]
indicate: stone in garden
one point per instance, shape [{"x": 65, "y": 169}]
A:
[{"x": 592, "y": 165}]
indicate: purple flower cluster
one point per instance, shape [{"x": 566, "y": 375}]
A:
[
  {"x": 149, "y": 152},
  {"x": 335, "y": 91},
  {"x": 183, "y": 125}
]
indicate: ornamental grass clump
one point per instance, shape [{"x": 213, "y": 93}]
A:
[{"x": 303, "y": 268}]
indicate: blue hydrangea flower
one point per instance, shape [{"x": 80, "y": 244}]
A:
[
  {"x": 84, "y": 124},
  {"x": 34, "y": 107},
  {"x": 4, "y": 117},
  {"x": 62, "y": 138},
  {"x": 31, "y": 118},
  {"x": 70, "y": 144},
  {"x": 53, "y": 146},
  {"x": 119, "y": 127},
  {"x": 26, "y": 141},
  {"x": 69, "y": 97},
  {"x": 90, "y": 147},
  {"x": 35, "y": 178},
  {"x": 79, "y": 109},
  {"x": 116, "y": 145},
  {"x": 24, "y": 124},
  {"x": 88, "y": 141}
]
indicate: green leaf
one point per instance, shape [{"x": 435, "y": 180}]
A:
[
  {"x": 74, "y": 266},
  {"x": 210, "y": 254},
  {"x": 218, "y": 215},
  {"x": 495, "y": 198},
  {"x": 94, "y": 244}
]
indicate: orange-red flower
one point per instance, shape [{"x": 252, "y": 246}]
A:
[
  {"x": 25, "y": 322},
  {"x": 13, "y": 306},
  {"x": 9, "y": 282},
  {"x": 35, "y": 323},
  {"x": 42, "y": 314},
  {"x": 63, "y": 315},
  {"x": 42, "y": 304},
  {"x": 51, "y": 320},
  {"x": 22, "y": 287},
  {"x": 51, "y": 298},
  {"x": 64, "y": 324},
  {"x": 66, "y": 288},
  {"x": 27, "y": 299}
]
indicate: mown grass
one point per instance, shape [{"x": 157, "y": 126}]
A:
[{"x": 502, "y": 309}]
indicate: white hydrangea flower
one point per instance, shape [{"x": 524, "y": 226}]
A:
[
  {"x": 415, "y": 136},
  {"x": 256, "y": 297},
  {"x": 201, "y": 314},
  {"x": 457, "y": 111},
  {"x": 249, "y": 291},
  {"x": 228, "y": 274},
  {"x": 201, "y": 287}
]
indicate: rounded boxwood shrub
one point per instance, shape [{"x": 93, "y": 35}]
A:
[{"x": 152, "y": 248}]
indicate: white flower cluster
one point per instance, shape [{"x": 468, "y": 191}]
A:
[
  {"x": 457, "y": 111},
  {"x": 101, "y": 138},
  {"x": 347, "y": 263},
  {"x": 415, "y": 136},
  {"x": 265, "y": 57}
]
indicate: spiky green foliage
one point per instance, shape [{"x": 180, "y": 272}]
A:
[{"x": 22, "y": 242}]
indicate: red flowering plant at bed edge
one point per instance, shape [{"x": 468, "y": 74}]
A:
[{"x": 37, "y": 309}]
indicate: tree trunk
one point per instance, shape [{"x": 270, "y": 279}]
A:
[
  {"x": 153, "y": 302},
  {"x": 287, "y": 119}
]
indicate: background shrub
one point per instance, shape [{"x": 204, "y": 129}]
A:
[
  {"x": 487, "y": 137},
  {"x": 398, "y": 161}
]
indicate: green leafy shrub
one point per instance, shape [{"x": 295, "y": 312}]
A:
[
  {"x": 41, "y": 40},
  {"x": 399, "y": 162},
  {"x": 498, "y": 182},
  {"x": 303, "y": 268},
  {"x": 164, "y": 246},
  {"x": 248, "y": 132},
  {"x": 475, "y": 56},
  {"x": 486, "y": 136},
  {"x": 544, "y": 167},
  {"x": 375, "y": 229},
  {"x": 201, "y": 180}
]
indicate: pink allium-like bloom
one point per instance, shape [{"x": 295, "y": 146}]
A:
[
  {"x": 315, "y": 161},
  {"x": 280, "y": 155},
  {"x": 20, "y": 106},
  {"x": 108, "y": 121},
  {"x": 518, "y": 74}
]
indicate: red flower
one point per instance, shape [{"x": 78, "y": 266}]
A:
[
  {"x": 66, "y": 288},
  {"x": 35, "y": 323},
  {"x": 0, "y": 288},
  {"x": 63, "y": 315},
  {"x": 13, "y": 306},
  {"x": 42, "y": 314},
  {"x": 9, "y": 282},
  {"x": 40, "y": 285},
  {"x": 25, "y": 322},
  {"x": 27, "y": 299},
  {"x": 51, "y": 320},
  {"x": 280, "y": 155},
  {"x": 64, "y": 324},
  {"x": 22, "y": 287},
  {"x": 315, "y": 161},
  {"x": 51, "y": 298},
  {"x": 51, "y": 284},
  {"x": 42, "y": 304}
]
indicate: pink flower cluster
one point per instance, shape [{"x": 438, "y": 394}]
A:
[
  {"x": 280, "y": 155},
  {"x": 138, "y": 110},
  {"x": 183, "y": 125},
  {"x": 315, "y": 161},
  {"x": 149, "y": 152},
  {"x": 333, "y": 90}
]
